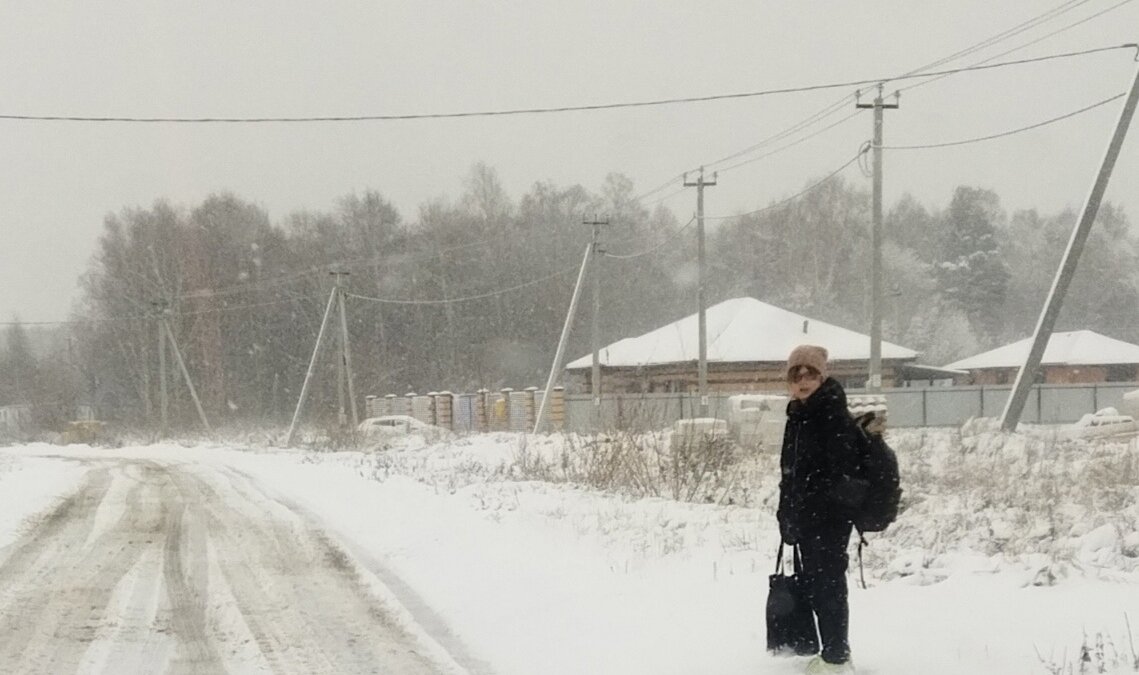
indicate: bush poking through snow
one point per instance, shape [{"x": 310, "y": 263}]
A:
[
  {"x": 641, "y": 465},
  {"x": 1097, "y": 654}
]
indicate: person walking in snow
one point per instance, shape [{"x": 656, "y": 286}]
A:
[{"x": 818, "y": 494}]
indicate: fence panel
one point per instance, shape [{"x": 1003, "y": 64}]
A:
[
  {"x": 464, "y": 413},
  {"x": 908, "y": 407},
  {"x": 950, "y": 407},
  {"x": 1063, "y": 405}
]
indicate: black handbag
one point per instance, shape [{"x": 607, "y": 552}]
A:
[{"x": 790, "y": 621}]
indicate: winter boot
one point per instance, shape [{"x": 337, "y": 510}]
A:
[{"x": 817, "y": 666}]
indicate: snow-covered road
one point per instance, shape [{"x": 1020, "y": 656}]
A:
[
  {"x": 210, "y": 557},
  {"x": 165, "y": 566}
]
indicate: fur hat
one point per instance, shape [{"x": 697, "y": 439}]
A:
[{"x": 811, "y": 356}]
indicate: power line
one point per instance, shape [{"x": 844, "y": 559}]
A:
[
  {"x": 480, "y": 296},
  {"x": 802, "y": 124},
  {"x": 658, "y": 188},
  {"x": 285, "y": 279},
  {"x": 837, "y": 106},
  {"x": 795, "y": 196},
  {"x": 1006, "y": 133},
  {"x": 1062, "y": 29},
  {"x": 235, "y": 308},
  {"x": 793, "y": 144},
  {"x": 1003, "y": 35},
  {"x": 668, "y": 196},
  {"x": 830, "y": 109},
  {"x": 669, "y": 240},
  {"x": 534, "y": 111},
  {"x": 1027, "y": 44}
]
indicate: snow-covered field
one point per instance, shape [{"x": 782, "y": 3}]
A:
[{"x": 1013, "y": 554}]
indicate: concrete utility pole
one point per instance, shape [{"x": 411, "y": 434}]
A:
[
  {"x": 186, "y": 375},
  {"x": 1047, "y": 321},
  {"x": 875, "y": 381},
  {"x": 345, "y": 354},
  {"x": 595, "y": 373},
  {"x": 702, "y": 366},
  {"x": 559, "y": 354},
  {"x": 311, "y": 366},
  {"x": 164, "y": 405}
]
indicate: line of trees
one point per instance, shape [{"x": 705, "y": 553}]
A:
[{"x": 246, "y": 294}]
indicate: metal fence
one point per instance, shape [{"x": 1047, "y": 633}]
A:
[{"x": 908, "y": 407}]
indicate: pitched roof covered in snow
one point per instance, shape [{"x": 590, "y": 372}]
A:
[
  {"x": 740, "y": 330},
  {"x": 1073, "y": 348}
]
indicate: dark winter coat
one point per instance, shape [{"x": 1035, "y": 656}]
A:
[{"x": 819, "y": 464}]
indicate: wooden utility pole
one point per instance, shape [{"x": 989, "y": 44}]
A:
[
  {"x": 595, "y": 373},
  {"x": 1047, "y": 321},
  {"x": 702, "y": 366},
  {"x": 874, "y": 382}
]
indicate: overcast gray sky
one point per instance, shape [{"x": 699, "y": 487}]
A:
[{"x": 285, "y": 59}]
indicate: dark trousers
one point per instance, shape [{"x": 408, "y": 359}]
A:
[{"x": 824, "y": 569}]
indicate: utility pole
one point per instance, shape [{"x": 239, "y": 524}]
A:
[
  {"x": 595, "y": 374},
  {"x": 186, "y": 374},
  {"x": 160, "y": 306},
  {"x": 702, "y": 367},
  {"x": 345, "y": 361},
  {"x": 311, "y": 367},
  {"x": 559, "y": 353},
  {"x": 1047, "y": 321},
  {"x": 875, "y": 381}
]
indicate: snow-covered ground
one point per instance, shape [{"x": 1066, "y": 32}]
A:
[{"x": 1014, "y": 553}]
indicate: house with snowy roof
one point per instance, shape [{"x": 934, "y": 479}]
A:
[
  {"x": 1081, "y": 356},
  {"x": 748, "y": 344}
]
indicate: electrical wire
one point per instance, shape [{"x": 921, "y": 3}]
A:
[
  {"x": 669, "y": 240},
  {"x": 1006, "y": 133},
  {"x": 682, "y": 190},
  {"x": 1028, "y": 44},
  {"x": 235, "y": 308},
  {"x": 793, "y": 144},
  {"x": 830, "y": 109},
  {"x": 802, "y": 124},
  {"x": 480, "y": 296},
  {"x": 658, "y": 188},
  {"x": 533, "y": 111},
  {"x": 795, "y": 196},
  {"x": 1062, "y": 29},
  {"x": 835, "y": 107},
  {"x": 1003, "y": 35},
  {"x": 285, "y": 279},
  {"x": 295, "y": 299},
  {"x": 863, "y": 162}
]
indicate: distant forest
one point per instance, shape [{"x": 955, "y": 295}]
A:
[{"x": 245, "y": 295}]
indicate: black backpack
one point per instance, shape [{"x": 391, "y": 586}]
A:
[{"x": 878, "y": 466}]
